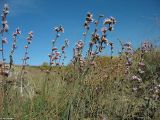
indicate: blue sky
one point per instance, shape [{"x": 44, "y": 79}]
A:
[{"x": 137, "y": 20}]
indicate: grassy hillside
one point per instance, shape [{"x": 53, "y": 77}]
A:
[{"x": 103, "y": 92}]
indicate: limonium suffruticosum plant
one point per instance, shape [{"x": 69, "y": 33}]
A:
[
  {"x": 89, "y": 20},
  {"x": 141, "y": 65},
  {"x": 24, "y": 60},
  {"x": 128, "y": 52},
  {"x": 54, "y": 55},
  {"x": 95, "y": 36},
  {"x": 154, "y": 90},
  {"x": 120, "y": 52},
  {"x": 63, "y": 52},
  {"x": 108, "y": 26},
  {"x": 78, "y": 59},
  {"x": 83, "y": 63},
  {"x": 4, "y": 69},
  {"x": 78, "y": 50},
  {"x": 26, "y": 57},
  {"x": 4, "y": 29},
  {"x": 15, "y": 34},
  {"x": 146, "y": 47},
  {"x": 98, "y": 41}
]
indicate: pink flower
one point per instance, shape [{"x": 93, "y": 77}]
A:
[
  {"x": 57, "y": 53},
  {"x": 26, "y": 46},
  {"x": 4, "y": 22},
  {"x": 30, "y": 34},
  {"x": 4, "y": 40},
  {"x": 6, "y": 27},
  {"x": 104, "y": 30},
  {"x": 53, "y": 49},
  {"x": 18, "y": 32},
  {"x": 107, "y": 21},
  {"x": 113, "y": 20},
  {"x": 56, "y": 57},
  {"x": 6, "y": 9}
]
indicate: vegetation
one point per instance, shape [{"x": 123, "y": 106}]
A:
[{"x": 91, "y": 87}]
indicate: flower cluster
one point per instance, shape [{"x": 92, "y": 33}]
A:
[
  {"x": 66, "y": 43},
  {"x": 55, "y": 55},
  {"x": 155, "y": 91},
  {"x": 103, "y": 39},
  {"x": 134, "y": 77},
  {"x": 59, "y": 29},
  {"x": 96, "y": 44},
  {"x": 15, "y": 34},
  {"x": 92, "y": 56},
  {"x": 4, "y": 21},
  {"x": 4, "y": 28},
  {"x": 4, "y": 39},
  {"x": 110, "y": 22},
  {"x": 89, "y": 19},
  {"x": 95, "y": 38},
  {"x": 77, "y": 50},
  {"x": 26, "y": 57},
  {"x": 146, "y": 47},
  {"x": 128, "y": 52},
  {"x": 77, "y": 54}
]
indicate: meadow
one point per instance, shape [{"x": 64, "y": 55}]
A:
[{"x": 91, "y": 87}]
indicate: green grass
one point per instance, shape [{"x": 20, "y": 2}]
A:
[{"x": 66, "y": 94}]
